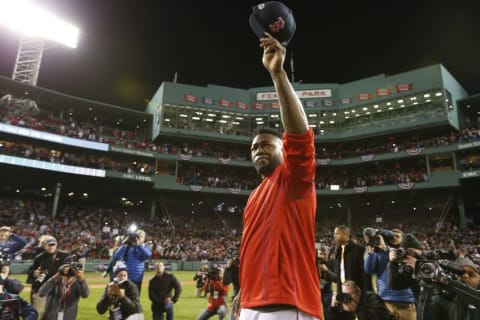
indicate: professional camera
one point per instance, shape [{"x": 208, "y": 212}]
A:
[
  {"x": 132, "y": 235},
  {"x": 373, "y": 236},
  {"x": 116, "y": 281},
  {"x": 9, "y": 309},
  {"x": 76, "y": 265},
  {"x": 4, "y": 259},
  {"x": 41, "y": 277},
  {"x": 213, "y": 273},
  {"x": 432, "y": 270},
  {"x": 343, "y": 298}
]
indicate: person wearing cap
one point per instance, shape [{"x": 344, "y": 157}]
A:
[
  {"x": 402, "y": 276},
  {"x": 164, "y": 289},
  {"x": 45, "y": 265},
  {"x": 134, "y": 254},
  {"x": 63, "y": 292},
  {"x": 452, "y": 306},
  {"x": 121, "y": 297},
  {"x": 377, "y": 259},
  {"x": 14, "y": 306},
  {"x": 278, "y": 272},
  {"x": 10, "y": 243}
]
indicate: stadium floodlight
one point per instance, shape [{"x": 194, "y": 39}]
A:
[{"x": 31, "y": 20}]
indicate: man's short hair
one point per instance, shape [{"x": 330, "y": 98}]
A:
[
  {"x": 353, "y": 285},
  {"x": 268, "y": 130},
  {"x": 344, "y": 228}
]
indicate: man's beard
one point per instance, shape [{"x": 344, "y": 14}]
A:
[{"x": 266, "y": 170}]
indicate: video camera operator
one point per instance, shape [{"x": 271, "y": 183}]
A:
[
  {"x": 455, "y": 306},
  {"x": 133, "y": 253},
  {"x": 64, "y": 290},
  {"x": 10, "y": 243},
  {"x": 402, "y": 269},
  {"x": 400, "y": 302}
]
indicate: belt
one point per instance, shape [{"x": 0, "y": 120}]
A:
[
  {"x": 274, "y": 307},
  {"x": 402, "y": 305}
]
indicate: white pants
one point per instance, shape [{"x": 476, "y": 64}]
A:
[{"x": 293, "y": 314}]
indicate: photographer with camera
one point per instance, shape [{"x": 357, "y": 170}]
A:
[
  {"x": 64, "y": 290},
  {"x": 230, "y": 276},
  {"x": 401, "y": 303},
  {"x": 361, "y": 305},
  {"x": 326, "y": 276},
  {"x": 133, "y": 253},
  {"x": 160, "y": 290},
  {"x": 11, "y": 285},
  {"x": 121, "y": 297},
  {"x": 14, "y": 307},
  {"x": 200, "y": 277},
  {"x": 45, "y": 265},
  {"x": 452, "y": 306},
  {"x": 217, "y": 292}
]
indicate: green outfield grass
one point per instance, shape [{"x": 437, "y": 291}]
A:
[{"x": 187, "y": 308}]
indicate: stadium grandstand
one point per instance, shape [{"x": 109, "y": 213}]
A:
[{"x": 391, "y": 149}]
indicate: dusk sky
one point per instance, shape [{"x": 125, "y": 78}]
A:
[{"x": 128, "y": 48}]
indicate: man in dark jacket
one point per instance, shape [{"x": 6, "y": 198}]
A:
[
  {"x": 121, "y": 297},
  {"x": 452, "y": 307},
  {"x": 160, "y": 290},
  {"x": 45, "y": 265},
  {"x": 361, "y": 305}
]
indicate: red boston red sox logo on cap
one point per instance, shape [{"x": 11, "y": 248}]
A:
[{"x": 278, "y": 25}]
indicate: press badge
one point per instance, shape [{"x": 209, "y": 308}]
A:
[
  {"x": 117, "y": 313},
  {"x": 60, "y": 315},
  {"x": 215, "y": 295}
]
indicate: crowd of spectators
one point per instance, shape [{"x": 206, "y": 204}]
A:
[{"x": 190, "y": 237}]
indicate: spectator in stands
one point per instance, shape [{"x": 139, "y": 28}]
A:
[
  {"x": 134, "y": 252},
  {"x": 281, "y": 210},
  {"x": 45, "y": 265},
  {"x": 63, "y": 292},
  {"x": 160, "y": 293},
  {"x": 14, "y": 306},
  {"x": 121, "y": 297}
]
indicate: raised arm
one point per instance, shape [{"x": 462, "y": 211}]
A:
[{"x": 293, "y": 116}]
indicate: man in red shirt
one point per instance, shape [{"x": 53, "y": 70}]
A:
[{"x": 278, "y": 275}]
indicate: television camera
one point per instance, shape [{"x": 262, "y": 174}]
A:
[{"x": 373, "y": 236}]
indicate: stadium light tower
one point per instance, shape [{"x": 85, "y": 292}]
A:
[{"x": 35, "y": 25}]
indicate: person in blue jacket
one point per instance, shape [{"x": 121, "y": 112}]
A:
[{"x": 133, "y": 252}]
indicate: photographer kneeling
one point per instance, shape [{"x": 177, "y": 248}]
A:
[
  {"x": 121, "y": 297},
  {"x": 363, "y": 305},
  {"x": 217, "y": 292},
  {"x": 400, "y": 302}
]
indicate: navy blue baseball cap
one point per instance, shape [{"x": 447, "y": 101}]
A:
[{"x": 275, "y": 18}]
